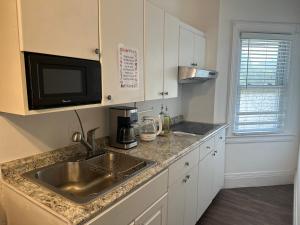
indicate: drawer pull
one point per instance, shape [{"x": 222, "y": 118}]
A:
[
  {"x": 188, "y": 177},
  {"x": 221, "y": 138},
  {"x": 208, "y": 147},
  {"x": 187, "y": 164},
  {"x": 184, "y": 180}
]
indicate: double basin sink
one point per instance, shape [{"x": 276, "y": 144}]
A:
[{"x": 83, "y": 181}]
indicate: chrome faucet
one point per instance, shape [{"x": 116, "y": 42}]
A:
[{"x": 90, "y": 143}]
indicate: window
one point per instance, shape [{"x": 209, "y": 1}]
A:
[{"x": 262, "y": 83}]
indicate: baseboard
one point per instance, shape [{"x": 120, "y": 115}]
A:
[
  {"x": 261, "y": 178},
  {"x": 296, "y": 200}
]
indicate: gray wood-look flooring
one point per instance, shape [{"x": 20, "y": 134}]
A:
[{"x": 251, "y": 206}]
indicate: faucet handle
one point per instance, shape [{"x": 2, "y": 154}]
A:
[
  {"x": 92, "y": 131},
  {"x": 91, "y": 137},
  {"x": 77, "y": 137}
]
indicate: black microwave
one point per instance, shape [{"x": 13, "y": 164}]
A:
[{"x": 56, "y": 81}]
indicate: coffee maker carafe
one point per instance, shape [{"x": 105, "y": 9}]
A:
[{"x": 122, "y": 133}]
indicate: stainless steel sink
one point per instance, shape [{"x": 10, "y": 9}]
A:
[{"x": 83, "y": 181}]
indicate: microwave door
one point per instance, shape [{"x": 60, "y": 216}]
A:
[{"x": 64, "y": 82}]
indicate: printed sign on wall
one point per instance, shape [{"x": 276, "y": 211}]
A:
[{"x": 128, "y": 66}]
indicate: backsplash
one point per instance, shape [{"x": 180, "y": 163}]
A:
[{"x": 30, "y": 135}]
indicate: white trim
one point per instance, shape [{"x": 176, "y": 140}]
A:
[
  {"x": 296, "y": 197},
  {"x": 244, "y": 26},
  {"x": 261, "y": 178},
  {"x": 261, "y": 138}
]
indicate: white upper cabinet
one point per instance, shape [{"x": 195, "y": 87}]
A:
[
  {"x": 121, "y": 25},
  {"x": 192, "y": 47},
  {"x": 199, "y": 50},
  {"x": 161, "y": 53},
  {"x": 186, "y": 47},
  {"x": 65, "y": 28},
  {"x": 171, "y": 54},
  {"x": 154, "y": 51}
]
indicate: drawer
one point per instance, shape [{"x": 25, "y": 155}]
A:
[
  {"x": 183, "y": 165},
  {"x": 220, "y": 136},
  {"x": 129, "y": 208},
  {"x": 207, "y": 147}
]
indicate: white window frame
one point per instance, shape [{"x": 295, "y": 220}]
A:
[{"x": 254, "y": 27}]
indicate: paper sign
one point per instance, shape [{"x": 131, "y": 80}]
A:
[{"x": 128, "y": 66}]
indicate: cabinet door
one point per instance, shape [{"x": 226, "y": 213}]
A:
[
  {"x": 171, "y": 55},
  {"x": 199, "y": 50},
  {"x": 121, "y": 25},
  {"x": 219, "y": 162},
  {"x": 190, "y": 205},
  {"x": 205, "y": 183},
  {"x": 186, "y": 47},
  {"x": 176, "y": 201},
  {"x": 66, "y": 28},
  {"x": 155, "y": 215},
  {"x": 154, "y": 51}
]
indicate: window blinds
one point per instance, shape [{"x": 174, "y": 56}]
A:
[{"x": 262, "y": 84}]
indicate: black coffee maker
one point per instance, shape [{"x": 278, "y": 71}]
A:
[{"x": 122, "y": 133}]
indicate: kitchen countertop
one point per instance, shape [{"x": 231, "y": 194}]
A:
[{"x": 164, "y": 150}]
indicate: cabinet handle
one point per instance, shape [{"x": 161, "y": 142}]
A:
[
  {"x": 208, "y": 147},
  {"x": 221, "y": 138},
  {"x": 214, "y": 154},
  {"x": 97, "y": 51},
  {"x": 161, "y": 93},
  {"x": 109, "y": 97},
  {"x": 187, "y": 164},
  {"x": 166, "y": 93},
  {"x": 188, "y": 177},
  {"x": 184, "y": 180}
]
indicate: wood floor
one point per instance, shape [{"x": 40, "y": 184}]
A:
[{"x": 251, "y": 206}]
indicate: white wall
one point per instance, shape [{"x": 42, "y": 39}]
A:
[
  {"x": 198, "y": 101},
  {"x": 25, "y": 136},
  {"x": 264, "y": 160}
]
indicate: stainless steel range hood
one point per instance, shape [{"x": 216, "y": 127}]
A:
[{"x": 188, "y": 74}]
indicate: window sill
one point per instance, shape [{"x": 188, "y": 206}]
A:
[{"x": 260, "y": 138}]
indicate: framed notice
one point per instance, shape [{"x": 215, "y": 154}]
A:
[{"x": 129, "y": 68}]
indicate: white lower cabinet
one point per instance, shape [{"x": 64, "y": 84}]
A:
[
  {"x": 155, "y": 215},
  {"x": 145, "y": 206},
  {"x": 190, "y": 209},
  {"x": 210, "y": 170},
  {"x": 182, "y": 201},
  {"x": 205, "y": 183},
  {"x": 219, "y": 162}
]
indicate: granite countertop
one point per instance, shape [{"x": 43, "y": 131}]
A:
[{"x": 164, "y": 150}]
